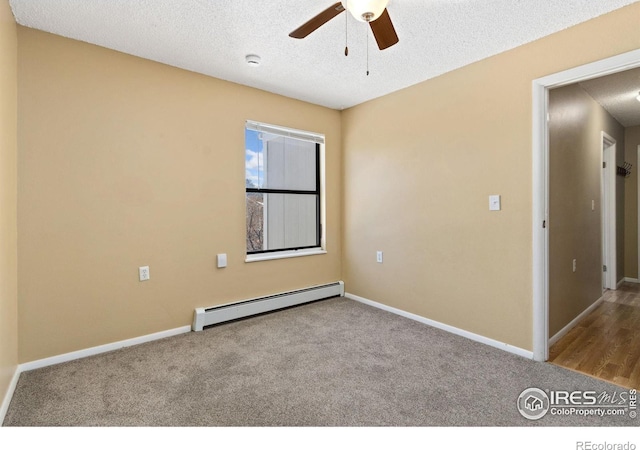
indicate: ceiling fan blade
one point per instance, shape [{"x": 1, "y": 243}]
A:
[
  {"x": 317, "y": 21},
  {"x": 383, "y": 31}
]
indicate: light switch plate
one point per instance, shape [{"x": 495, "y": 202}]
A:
[
  {"x": 494, "y": 203},
  {"x": 222, "y": 260}
]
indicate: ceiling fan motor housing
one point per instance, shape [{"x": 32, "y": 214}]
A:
[{"x": 365, "y": 10}]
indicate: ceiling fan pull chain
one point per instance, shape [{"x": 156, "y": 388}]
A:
[
  {"x": 346, "y": 35},
  {"x": 367, "y": 31}
]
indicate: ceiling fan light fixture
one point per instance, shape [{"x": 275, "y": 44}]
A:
[{"x": 365, "y": 10}]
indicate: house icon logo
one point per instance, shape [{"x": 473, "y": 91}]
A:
[{"x": 533, "y": 403}]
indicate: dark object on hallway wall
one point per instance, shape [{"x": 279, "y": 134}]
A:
[{"x": 624, "y": 170}]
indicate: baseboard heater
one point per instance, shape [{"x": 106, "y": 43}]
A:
[{"x": 205, "y": 317}]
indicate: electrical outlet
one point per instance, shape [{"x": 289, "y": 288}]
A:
[
  {"x": 144, "y": 273},
  {"x": 379, "y": 256}
]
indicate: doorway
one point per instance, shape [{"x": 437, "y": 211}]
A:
[{"x": 540, "y": 210}]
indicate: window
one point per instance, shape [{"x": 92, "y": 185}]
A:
[{"x": 283, "y": 179}]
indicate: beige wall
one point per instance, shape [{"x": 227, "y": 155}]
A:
[
  {"x": 125, "y": 162},
  {"x": 575, "y": 230},
  {"x": 8, "y": 186},
  {"x": 632, "y": 141},
  {"x": 419, "y": 166}
]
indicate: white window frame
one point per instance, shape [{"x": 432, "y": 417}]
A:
[{"x": 306, "y": 136}]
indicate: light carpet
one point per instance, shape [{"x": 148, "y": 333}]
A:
[{"x": 335, "y": 362}]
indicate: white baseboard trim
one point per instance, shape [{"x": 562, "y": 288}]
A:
[
  {"x": 631, "y": 280},
  {"x": 619, "y": 283},
  {"x": 4, "y": 407},
  {"x": 556, "y": 337},
  {"x": 458, "y": 331},
  {"x": 101, "y": 349}
]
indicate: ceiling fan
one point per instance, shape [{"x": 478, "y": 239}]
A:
[{"x": 374, "y": 12}]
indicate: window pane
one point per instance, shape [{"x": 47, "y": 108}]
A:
[
  {"x": 281, "y": 221},
  {"x": 253, "y": 160},
  {"x": 277, "y": 162},
  {"x": 255, "y": 222}
]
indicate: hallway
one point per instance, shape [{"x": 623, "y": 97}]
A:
[{"x": 606, "y": 344}]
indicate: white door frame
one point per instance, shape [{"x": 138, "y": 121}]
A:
[
  {"x": 608, "y": 200},
  {"x": 540, "y": 187}
]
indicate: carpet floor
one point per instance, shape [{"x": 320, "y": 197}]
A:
[{"x": 335, "y": 362}]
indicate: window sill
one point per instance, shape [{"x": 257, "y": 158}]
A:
[{"x": 285, "y": 254}]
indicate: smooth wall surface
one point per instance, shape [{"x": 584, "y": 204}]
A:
[
  {"x": 8, "y": 198},
  {"x": 576, "y": 122},
  {"x": 420, "y": 165},
  {"x": 125, "y": 162},
  {"x": 632, "y": 141}
]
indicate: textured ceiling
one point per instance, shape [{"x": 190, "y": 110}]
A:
[
  {"x": 214, "y": 36},
  {"x": 617, "y": 94}
]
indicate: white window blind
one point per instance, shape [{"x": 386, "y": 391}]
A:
[{"x": 286, "y": 132}]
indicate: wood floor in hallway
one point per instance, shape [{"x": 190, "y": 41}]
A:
[{"x": 606, "y": 343}]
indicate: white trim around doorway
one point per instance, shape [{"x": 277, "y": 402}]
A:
[{"x": 609, "y": 218}]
